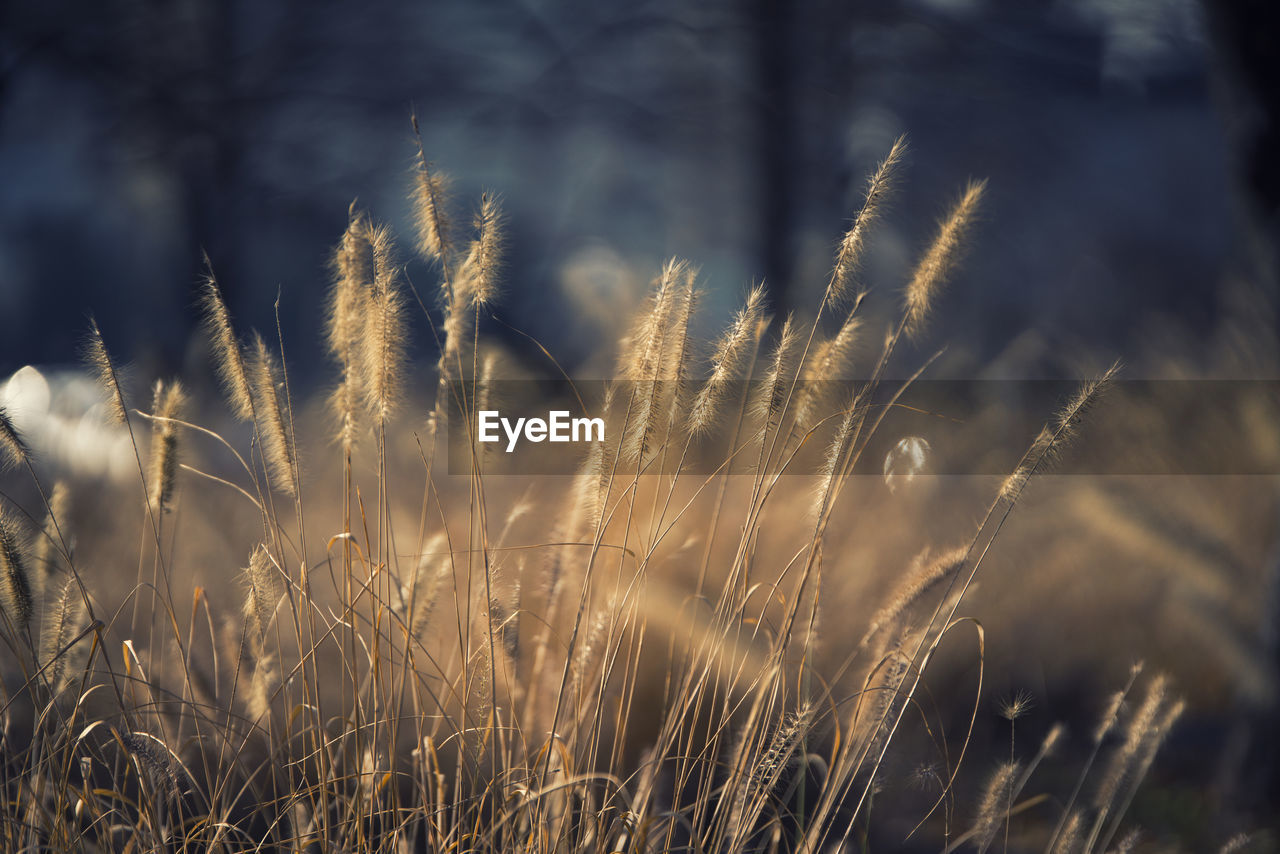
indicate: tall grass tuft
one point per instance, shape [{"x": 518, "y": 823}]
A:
[{"x": 427, "y": 654}]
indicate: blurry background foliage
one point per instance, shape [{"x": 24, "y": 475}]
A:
[{"x": 1125, "y": 142}]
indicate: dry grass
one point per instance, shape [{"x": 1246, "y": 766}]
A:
[{"x": 645, "y": 661}]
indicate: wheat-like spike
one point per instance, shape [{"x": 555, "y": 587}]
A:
[
  {"x": 47, "y": 554},
  {"x": 995, "y": 804},
  {"x": 108, "y": 377},
  {"x": 13, "y": 450},
  {"x": 430, "y": 208},
  {"x": 275, "y": 438},
  {"x": 382, "y": 360},
  {"x": 57, "y": 626},
  {"x": 264, "y": 591},
  {"x": 879, "y": 185},
  {"x": 228, "y": 358},
  {"x": 730, "y": 350},
  {"x": 936, "y": 265},
  {"x": 480, "y": 270},
  {"x": 16, "y": 593},
  {"x": 167, "y": 403}
]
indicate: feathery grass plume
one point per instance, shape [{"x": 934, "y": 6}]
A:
[
  {"x": 16, "y": 597},
  {"x": 167, "y": 403},
  {"x": 924, "y": 576},
  {"x": 64, "y": 614},
  {"x": 275, "y": 438},
  {"x": 674, "y": 372},
  {"x": 768, "y": 404},
  {"x": 228, "y": 358},
  {"x": 1052, "y": 739},
  {"x": 586, "y": 503},
  {"x": 1140, "y": 747},
  {"x": 1078, "y": 407},
  {"x": 1108, "y": 719},
  {"x": 585, "y": 657},
  {"x": 108, "y": 376},
  {"x": 731, "y": 348},
  {"x": 423, "y": 586},
  {"x": 885, "y": 685},
  {"x": 1051, "y": 439},
  {"x": 13, "y": 450},
  {"x": 1014, "y": 707},
  {"x": 681, "y": 350},
  {"x": 937, "y": 264},
  {"x": 995, "y": 804},
  {"x": 641, "y": 354},
  {"x": 480, "y": 269},
  {"x": 154, "y": 758},
  {"x": 262, "y": 683},
  {"x": 49, "y": 544},
  {"x": 752, "y": 791},
  {"x": 511, "y": 624},
  {"x": 879, "y": 185},
  {"x": 1235, "y": 843},
  {"x": 457, "y": 322},
  {"x": 352, "y": 266},
  {"x": 1140, "y": 727},
  {"x": 644, "y": 359},
  {"x": 430, "y": 208},
  {"x": 1038, "y": 456},
  {"x": 264, "y": 590},
  {"x": 1127, "y": 843},
  {"x": 499, "y": 617},
  {"x": 1068, "y": 841},
  {"x": 850, "y": 425},
  {"x": 826, "y": 363},
  {"x": 382, "y": 359}
]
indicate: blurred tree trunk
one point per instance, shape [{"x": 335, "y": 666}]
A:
[
  {"x": 776, "y": 121},
  {"x": 1244, "y": 35}
]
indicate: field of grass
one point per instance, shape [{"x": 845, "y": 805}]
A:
[{"x": 300, "y": 629}]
